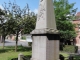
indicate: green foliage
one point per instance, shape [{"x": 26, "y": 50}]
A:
[
  {"x": 29, "y": 23},
  {"x": 9, "y": 52},
  {"x": 23, "y": 37},
  {"x": 65, "y": 25},
  {"x": 30, "y": 43},
  {"x": 69, "y": 49},
  {"x": 3, "y": 26},
  {"x": 14, "y": 16},
  {"x": 64, "y": 10},
  {"x": 64, "y": 54},
  {"x": 63, "y": 14},
  {"x": 76, "y": 57},
  {"x": 67, "y": 35},
  {"x": 18, "y": 19}
]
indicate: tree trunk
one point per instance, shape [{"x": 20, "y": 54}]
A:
[
  {"x": 61, "y": 46},
  {"x": 65, "y": 42},
  {"x": 16, "y": 41},
  {"x": 3, "y": 40},
  {"x": 0, "y": 39},
  {"x": 74, "y": 41},
  {"x": 69, "y": 42}
]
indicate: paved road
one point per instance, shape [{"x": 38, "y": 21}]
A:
[{"x": 12, "y": 43}]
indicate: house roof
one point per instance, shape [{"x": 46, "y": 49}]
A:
[{"x": 78, "y": 14}]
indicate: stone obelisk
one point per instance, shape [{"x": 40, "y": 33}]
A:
[{"x": 45, "y": 44}]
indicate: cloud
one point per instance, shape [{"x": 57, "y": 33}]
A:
[
  {"x": 1, "y": 7},
  {"x": 35, "y": 11}
]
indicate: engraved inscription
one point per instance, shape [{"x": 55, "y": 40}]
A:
[{"x": 41, "y": 12}]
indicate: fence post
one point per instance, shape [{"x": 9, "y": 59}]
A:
[{"x": 20, "y": 56}]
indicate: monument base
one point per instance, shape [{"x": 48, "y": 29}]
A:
[{"x": 45, "y": 47}]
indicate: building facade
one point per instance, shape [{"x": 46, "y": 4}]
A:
[{"x": 77, "y": 28}]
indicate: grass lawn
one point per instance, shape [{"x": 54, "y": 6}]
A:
[
  {"x": 68, "y": 51},
  {"x": 9, "y": 52},
  {"x": 64, "y": 54}
]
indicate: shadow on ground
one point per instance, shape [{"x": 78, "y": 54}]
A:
[{"x": 12, "y": 48}]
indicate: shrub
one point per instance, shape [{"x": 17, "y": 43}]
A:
[
  {"x": 69, "y": 48},
  {"x": 30, "y": 43},
  {"x": 23, "y": 37}
]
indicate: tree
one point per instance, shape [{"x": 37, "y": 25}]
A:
[
  {"x": 3, "y": 26},
  {"x": 64, "y": 13},
  {"x": 18, "y": 19},
  {"x": 29, "y": 22},
  {"x": 64, "y": 10}
]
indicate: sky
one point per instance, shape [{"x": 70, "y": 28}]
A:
[{"x": 33, "y": 4}]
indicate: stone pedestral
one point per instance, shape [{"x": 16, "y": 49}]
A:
[
  {"x": 45, "y": 46},
  {"x": 20, "y": 56}
]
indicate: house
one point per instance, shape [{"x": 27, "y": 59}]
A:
[
  {"x": 78, "y": 16},
  {"x": 77, "y": 28}
]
